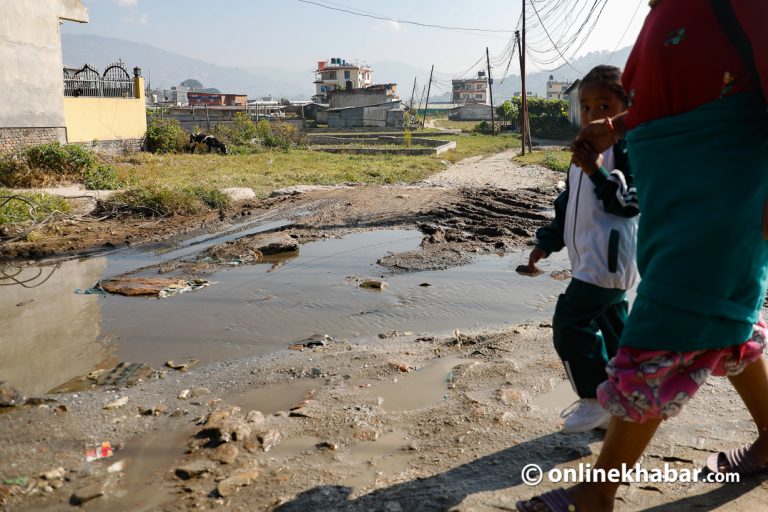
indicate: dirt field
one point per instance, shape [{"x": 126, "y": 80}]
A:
[{"x": 402, "y": 422}]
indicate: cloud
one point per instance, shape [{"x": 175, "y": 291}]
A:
[
  {"x": 126, "y": 3},
  {"x": 141, "y": 19}
]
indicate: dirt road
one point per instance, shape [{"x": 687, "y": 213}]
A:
[{"x": 402, "y": 422}]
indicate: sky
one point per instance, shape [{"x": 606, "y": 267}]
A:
[{"x": 294, "y": 35}]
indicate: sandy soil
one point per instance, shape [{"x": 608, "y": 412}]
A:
[{"x": 404, "y": 423}]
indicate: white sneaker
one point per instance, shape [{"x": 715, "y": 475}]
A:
[{"x": 585, "y": 414}]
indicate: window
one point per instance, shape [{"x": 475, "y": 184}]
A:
[
  {"x": 332, "y": 75},
  {"x": 479, "y": 96},
  {"x": 346, "y": 75}
]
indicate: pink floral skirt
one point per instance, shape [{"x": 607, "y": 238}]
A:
[{"x": 653, "y": 384}]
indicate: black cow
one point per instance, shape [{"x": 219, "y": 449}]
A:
[{"x": 200, "y": 139}]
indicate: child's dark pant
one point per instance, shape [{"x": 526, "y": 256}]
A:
[{"x": 587, "y": 326}]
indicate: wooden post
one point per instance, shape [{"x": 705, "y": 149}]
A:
[
  {"x": 429, "y": 87},
  {"x": 490, "y": 90}
]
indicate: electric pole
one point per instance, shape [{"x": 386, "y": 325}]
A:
[
  {"x": 490, "y": 90},
  {"x": 429, "y": 87},
  {"x": 525, "y": 93},
  {"x": 413, "y": 92}
]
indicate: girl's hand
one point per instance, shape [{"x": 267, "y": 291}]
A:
[
  {"x": 596, "y": 136},
  {"x": 587, "y": 159},
  {"x": 536, "y": 255}
]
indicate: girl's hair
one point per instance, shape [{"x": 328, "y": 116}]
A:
[{"x": 609, "y": 76}]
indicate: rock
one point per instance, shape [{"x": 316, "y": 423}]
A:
[
  {"x": 255, "y": 417},
  {"x": 116, "y": 404},
  {"x": 157, "y": 410},
  {"x": 9, "y": 396},
  {"x": 365, "y": 432},
  {"x": 184, "y": 394},
  {"x": 54, "y": 474},
  {"x": 230, "y": 485},
  {"x": 526, "y": 270},
  {"x": 122, "y": 375},
  {"x": 198, "y": 392},
  {"x": 425, "y": 285},
  {"x": 194, "y": 469},
  {"x": 239, "y": 193},
  {"x": 392, "y": 506},
  {"x": 88, "y": 492},
  {"x": 138, "y": 286},
  {"x": 560, "y": 275},
  {"x": 327, "y": 445},
  {"x": 226, "y": 453},
  {"x": 394, "y": 334},
  {"x": 226, "y": 425},
  {"x": 270, "y": 439},
  {"x": 182, "y": 367},
  {"x": 315, "y": 340},
  {"x": 373, "y": 284},
  {"x": 507, "y": 395},
  {"x": 403, "y": 367}
]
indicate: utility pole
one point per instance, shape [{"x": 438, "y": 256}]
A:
[
  {"x": 413, "y": 92},
  {"x": 525, "y": 93},
  {"x": 490, "y": 90},
  {"x": 429, "y": 88}
]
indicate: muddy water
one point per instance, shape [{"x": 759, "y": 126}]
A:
[{"x": 55, "y": 335}]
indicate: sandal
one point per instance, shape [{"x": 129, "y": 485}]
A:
[
  {"x": 556, "y": 501},
  {"x": 739, "y": 460}
]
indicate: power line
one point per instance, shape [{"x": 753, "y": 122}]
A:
[
  {"x": 387, "y": 18},
  {"x": 625, "y": 30},
  {"x": 550, "y": 40}
]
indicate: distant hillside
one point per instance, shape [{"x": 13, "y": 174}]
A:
[{"x": 166, "y": 69}]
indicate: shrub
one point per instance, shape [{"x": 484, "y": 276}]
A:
[
  {"x": 162, "y": 201},
  {"x": 48, "y": 164},
  {"x": 211, "y": 197},
  {"x": 407, "y": 138},
  {"x": 166, "y": 136},
  {"x": 19, "y": 209},
  {"x": 277, "y": 134},
  {"x": 485, "y": 128}
]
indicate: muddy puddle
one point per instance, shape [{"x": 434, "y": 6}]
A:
[{"x": 51, "y": 334}]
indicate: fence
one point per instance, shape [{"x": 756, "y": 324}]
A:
[{"x": 115, "y": 82}]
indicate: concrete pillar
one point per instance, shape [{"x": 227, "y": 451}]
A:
[{"x": 138, "y": 87}]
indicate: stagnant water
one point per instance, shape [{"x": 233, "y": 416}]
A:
[{"x": 51, "y": 334}]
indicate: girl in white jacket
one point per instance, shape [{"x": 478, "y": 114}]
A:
[{"x": 596, "y": 219}]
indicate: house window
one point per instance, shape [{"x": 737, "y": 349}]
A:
[
  {"x": 346, "y": 75},
  {"x": 479, "y": 96},
  {"x": 332, "y": 75}
]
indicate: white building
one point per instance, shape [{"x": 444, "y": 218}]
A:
[{"x": 337, "y": 73}]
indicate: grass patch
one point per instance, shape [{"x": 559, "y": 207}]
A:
[
  {"x": 551, "y": 159},
  {"x": 28, "y": 207},
  {"x": 162, "y": 201},
  {"x": 49, "y": 164},
  {"x": 266, "y": 170},
  {"x": 464, "y": 126}
]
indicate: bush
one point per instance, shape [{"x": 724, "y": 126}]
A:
[
  {"x": 485, "y": 128},
  {"x": 49, "y": 164},
  {"x": 166, "y": 136},
  {"x": 277, "y": 134},
  {"x": 161, "y": 201},
  {"x": 407, "y": 138},
  {"x": 19, "y": 209},
  {"x": 241, "y": 132}
]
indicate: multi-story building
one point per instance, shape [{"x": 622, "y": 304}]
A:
[
  {"x": 202, "y": 99},
  {"x": 555, "y": 89},
  {"x": 471, "y": 90},
  {"x": 337, "y": 73}
]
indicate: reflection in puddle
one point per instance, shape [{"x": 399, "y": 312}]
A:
[
  {"x": 257, "y": 309},
  {"x": 417, "y": 389},
  {"x": 559, "y": 398},
  {"x": 49, "y": 334},
  {"x": 271, "y": 399}
]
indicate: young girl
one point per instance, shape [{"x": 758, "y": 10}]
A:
[{"x": 596, "y": 219}]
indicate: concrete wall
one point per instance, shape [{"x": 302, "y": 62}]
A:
[
  {"x": 376, "y": 116},
  {"x": 470, "y": 113},
  {"x": 31, "y": 77},
  {"x": 106, "y": 119}
]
